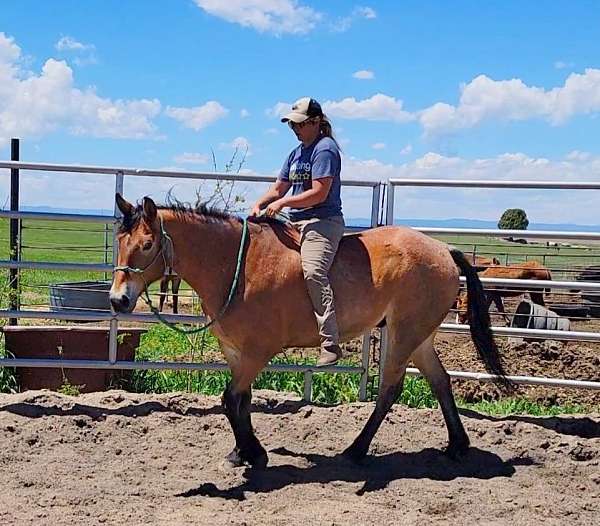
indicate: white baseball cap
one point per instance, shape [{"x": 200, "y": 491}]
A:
[{"x": 302, "y": 109}]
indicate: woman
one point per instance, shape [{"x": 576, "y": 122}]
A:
[{"x": 312, "y": 171}]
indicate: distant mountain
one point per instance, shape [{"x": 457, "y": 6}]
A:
[{"x": 476, "y": 223}]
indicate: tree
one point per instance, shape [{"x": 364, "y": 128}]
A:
[{"x": 513, "y": 219}]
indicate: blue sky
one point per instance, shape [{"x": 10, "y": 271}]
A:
[{"x": 415, "y": 89}]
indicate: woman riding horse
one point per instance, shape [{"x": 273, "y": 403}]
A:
[
  {"x": 312, "y": 171},
  {"x": 390, "y": 274}
]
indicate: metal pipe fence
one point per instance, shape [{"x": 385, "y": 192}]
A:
[{"x": 379, "y": 215}]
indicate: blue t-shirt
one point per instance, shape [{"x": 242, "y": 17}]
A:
[{"x": 305, "y": 163}]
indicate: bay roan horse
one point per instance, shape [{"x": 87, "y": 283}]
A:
[
  {"x": 390, "y": 275},
  {"x": 527, "y": 270}
]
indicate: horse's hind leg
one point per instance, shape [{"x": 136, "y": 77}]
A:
[
  {"x": 427, "y": 361},
  {"x": 391, "y": 386},
  {"x": 236, "y": 404}
]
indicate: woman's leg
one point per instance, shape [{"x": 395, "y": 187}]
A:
[{"x": 320, "y": 241}]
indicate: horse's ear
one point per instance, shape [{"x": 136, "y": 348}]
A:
[
  {"x": 124, "y": 206},
  {"x": 149, "y": 210}
]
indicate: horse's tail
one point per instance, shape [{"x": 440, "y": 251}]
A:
[{"x": 479, "y": 319}]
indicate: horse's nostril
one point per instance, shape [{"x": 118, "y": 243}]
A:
[{"x": 120, "y": 304}]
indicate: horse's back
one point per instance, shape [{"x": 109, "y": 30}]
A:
[{"x": 401, "y": 248}]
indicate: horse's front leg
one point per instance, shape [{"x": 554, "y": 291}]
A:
[
  {"x": 236, "y": 404},
  {"x": 248, "y": 449}
]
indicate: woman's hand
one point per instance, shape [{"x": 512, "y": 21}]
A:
[
  {"x": 255, "y": 211},
  {"x": 274, "y": 208}
]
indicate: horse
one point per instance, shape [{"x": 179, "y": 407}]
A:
[
  {"x": 169, "y": 277},
  {"x": 531, "y": 269},
  {"x": 480, "y": 263},
  {"x": 392, "y": 275}
]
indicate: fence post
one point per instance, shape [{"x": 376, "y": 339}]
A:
[
  {"x": 13, "y": 280},
  {"x": 114, "y": 324},
  {"x": 389, "y": 215},
  {"x": 308, "y": 377}
]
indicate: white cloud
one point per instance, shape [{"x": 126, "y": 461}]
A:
[
  {"x": 198, "y": 117},
  {"x": 363, "y": 74},
  {"x": 512, "y": 100},
  {"x": 265, "y": 16},
  {"x": 406, "y": 150},
  {"x": 366, "y": 12},
  {"x": 344, "y": 23},
  {"x": 279, "y": 110},
  {"x": 191, "y": 158},
  {"x": 377, "y": 108},
  {"x": 244, "y": 113},
  {"x": 32, "y": 105},
  {"x": 378, "y": 146},
  {"x": 70, "y": 44},
  {"x": 576, "y": 155},
  {"x": 239, "y": 143},
  {"x": 85, "y": 53}
]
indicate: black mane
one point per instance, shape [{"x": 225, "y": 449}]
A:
[
  {"x": 201, "y": 208},
  {"x": 180, "y": 208}
]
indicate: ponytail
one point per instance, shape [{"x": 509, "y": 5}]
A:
[{"x": 326, "y": 129}]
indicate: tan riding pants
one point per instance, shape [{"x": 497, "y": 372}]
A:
[{"x": 319, "y": 243}]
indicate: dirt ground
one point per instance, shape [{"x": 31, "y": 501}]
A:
[{"x": 121, "y": 458}]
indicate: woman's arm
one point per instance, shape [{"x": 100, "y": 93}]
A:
[
  {"x": 311, "y": 197},
  {"x": 276, "y": 191}
]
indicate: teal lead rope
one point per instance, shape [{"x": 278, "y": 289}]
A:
[{"x": 232, "y": 290}]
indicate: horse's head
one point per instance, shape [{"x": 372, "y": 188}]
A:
[
  {"x": 142, "y": 253},
  {"x": 461, "y": 308}
]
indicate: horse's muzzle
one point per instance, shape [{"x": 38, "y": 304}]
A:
[{"x": 121, "y": 303}]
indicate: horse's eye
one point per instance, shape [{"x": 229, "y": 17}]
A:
[{"x": 147, "y": 245}]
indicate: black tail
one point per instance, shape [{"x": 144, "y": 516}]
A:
[{"x": 479, "y": 319}]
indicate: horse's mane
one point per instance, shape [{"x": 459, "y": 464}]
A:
[{"x": 287, "y": 233}]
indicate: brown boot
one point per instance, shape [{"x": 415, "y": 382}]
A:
[{"x": 329, "y": 355}]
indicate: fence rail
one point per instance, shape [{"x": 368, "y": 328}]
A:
[{"x": 379, "y": 214}]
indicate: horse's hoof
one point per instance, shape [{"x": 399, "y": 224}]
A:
[
  {"x": 456, "y": 451},
  {"x": 354, "y": 454},
  {"x": 238, "y": 458},
  {"x": 234, "y": 459},
  {"x": 259, "y": 461}
]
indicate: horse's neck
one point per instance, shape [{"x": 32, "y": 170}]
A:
[{"x": 205, "y": 256}]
